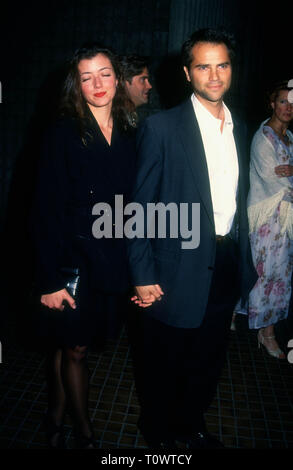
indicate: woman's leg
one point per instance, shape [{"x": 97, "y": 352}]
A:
[
  {"x": 56, "y": 393},
  {"x": 56, "y": 398},
  {"x": 76, "y": 382}
]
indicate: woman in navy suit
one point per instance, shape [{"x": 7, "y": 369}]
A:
[{"x": 88, "y": 157}]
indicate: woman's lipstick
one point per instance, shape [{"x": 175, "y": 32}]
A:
[{"x": 99, "y": 95}]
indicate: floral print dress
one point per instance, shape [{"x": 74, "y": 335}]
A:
[{"x": 272, "y": 254}]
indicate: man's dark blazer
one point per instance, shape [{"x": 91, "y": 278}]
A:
[{"x": 171, "y": 167}]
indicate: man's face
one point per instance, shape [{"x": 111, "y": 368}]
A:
[
  {"x": 139, "y": 88},
  {"x": 210, "y": 72}
]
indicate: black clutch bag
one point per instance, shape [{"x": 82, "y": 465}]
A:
[{"x": 71, "y": 278}]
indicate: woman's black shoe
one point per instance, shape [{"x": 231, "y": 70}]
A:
[
  {"x": 84, "y": 442},
  {"x": 54, "y": 433},
  {"x": 164, "y": 444},
  {"x": 203, "y": 440}
]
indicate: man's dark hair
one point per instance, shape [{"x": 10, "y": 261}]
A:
[
  {"x": 214, "y": 36},
  {"x": 131, "y": 66}
]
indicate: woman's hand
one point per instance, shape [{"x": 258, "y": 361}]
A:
[
  {"x": 55, "y": 300},
  {"x": 284, "y": 171},
  {"x": 147, "y": 295}
]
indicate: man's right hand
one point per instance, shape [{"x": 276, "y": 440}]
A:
[
  {"x": 147, "y": 295},
  {"x": 55, "y": 300}
]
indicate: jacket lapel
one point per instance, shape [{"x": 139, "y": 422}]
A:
[{"x": 191, "y": 140}]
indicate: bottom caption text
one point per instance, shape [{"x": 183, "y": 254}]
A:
[{"x": 148, "y": 459}]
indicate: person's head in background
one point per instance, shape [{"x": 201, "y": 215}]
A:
[
  {"x": 280, "y": 106},
  {"x": 135, "y": 76}
]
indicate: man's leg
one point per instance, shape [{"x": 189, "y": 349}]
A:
[
  {"x": 161, "y": 364},
  {"x": 206, "y": 346},
  {"x": 181, "y": 367}
]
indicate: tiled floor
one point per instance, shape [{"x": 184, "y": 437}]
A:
[{"x": 253, "y": 408}]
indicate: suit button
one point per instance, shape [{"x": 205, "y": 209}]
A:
[{"x": 91, "y": 191}]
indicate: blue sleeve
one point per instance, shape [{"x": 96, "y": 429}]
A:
[{"x": 146, "y": 190}]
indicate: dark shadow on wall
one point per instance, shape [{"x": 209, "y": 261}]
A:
[
  {"x": 171, "y": 82},
  {"x": 16, "y": 247}
]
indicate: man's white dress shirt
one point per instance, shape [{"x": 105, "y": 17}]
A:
[{"x": 222, "y": 162}]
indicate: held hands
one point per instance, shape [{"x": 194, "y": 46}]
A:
[
  {"x": 55, "y": 300},
  {"x": 284, "y": 171},
  {"x": 147, "y": 295}
]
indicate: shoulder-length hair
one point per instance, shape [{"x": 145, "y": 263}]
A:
[{"x": 73, "y": 103}]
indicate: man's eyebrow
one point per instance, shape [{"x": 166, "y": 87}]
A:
[{"x": 207, "y": 65}]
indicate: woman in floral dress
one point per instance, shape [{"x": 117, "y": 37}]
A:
[{"x": 270, "y": 212}]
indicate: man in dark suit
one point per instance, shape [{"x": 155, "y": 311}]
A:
[{"x": 190, "y": 154}]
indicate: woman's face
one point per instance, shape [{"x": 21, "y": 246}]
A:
[
  {"x": 98, "y": 81},
  {"x": 282, "y": 109}
]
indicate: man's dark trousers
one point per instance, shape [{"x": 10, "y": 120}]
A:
[{"x": 180, "y": 367}]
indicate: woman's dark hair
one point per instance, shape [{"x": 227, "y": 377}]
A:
[
  {"x": 73, "y": 103},
  {"x": 214, "y": 36}
]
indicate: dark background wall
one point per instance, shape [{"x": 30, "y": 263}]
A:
[{"x": 37, "y": 39}]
